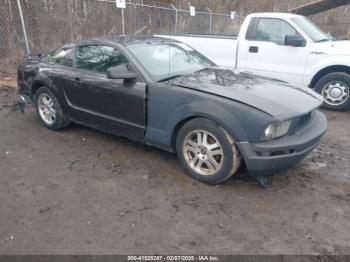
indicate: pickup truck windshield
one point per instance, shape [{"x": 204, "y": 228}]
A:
[
  {"x": 312, "y": 30},
  {"x": 164, "y": 60}
]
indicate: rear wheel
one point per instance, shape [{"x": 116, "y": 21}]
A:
[
  {"x": 49, "y": 109},
  {"x": 206, "y": 151},
  {"x": 335, "y": 89}
]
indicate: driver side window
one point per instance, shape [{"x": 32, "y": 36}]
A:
[
  {"x": 98, "y": 57},
  {"x": 274, "y": 30}
]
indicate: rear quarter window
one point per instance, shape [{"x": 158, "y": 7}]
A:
[{"x": 63, "y": 56}]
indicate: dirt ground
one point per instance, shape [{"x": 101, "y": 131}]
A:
[{"x": 80, "y": 191}]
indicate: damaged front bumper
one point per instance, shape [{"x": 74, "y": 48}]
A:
[
  {"x": 23, "y": 102},
  {"x": 267, "y": 158}
]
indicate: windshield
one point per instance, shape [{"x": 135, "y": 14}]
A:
[
  {"x": 166, "y": 59},
  {"x": 312, "y": 30}
]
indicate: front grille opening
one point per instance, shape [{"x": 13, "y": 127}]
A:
[
  {"x": 304, "y": 119},
  {"x": 276, "y": 153}
]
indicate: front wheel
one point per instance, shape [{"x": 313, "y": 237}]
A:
[
  {"x": 207, "y": 151},
  {"x": 335, "y": 89}
]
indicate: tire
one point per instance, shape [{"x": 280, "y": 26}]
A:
[
  {"x": 339, "y": 84},
  {"x": 192, "y": 152},
  {"x": 51, "y": 109}
]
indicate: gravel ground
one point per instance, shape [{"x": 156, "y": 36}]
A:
[{"x": 80, "y": 191}]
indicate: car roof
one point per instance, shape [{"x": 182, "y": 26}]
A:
[
  {"x": 126, "y": 39},
  {"x": 274, "y": 15}
]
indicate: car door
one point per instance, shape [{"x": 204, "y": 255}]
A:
[
  {"x": 114, "y": 105},
  {"x": 269, "y": 56}
]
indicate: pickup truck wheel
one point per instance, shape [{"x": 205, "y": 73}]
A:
[
  {"x": 335, "y": 89},
  {"x": 49, "y": 109},
  {"x": 206, "y": 151}
]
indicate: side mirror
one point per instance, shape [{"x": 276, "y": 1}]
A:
[
  {"x": 294, "y": 40},
  {"x": 120, "y": 72}
]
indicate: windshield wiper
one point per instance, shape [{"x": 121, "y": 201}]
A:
[
  {"x": 178, "y": 75},
  {"x": 168, "y": 78},
  {"x": 203, "y": 69},
  {"x": 323, "y": 40}
]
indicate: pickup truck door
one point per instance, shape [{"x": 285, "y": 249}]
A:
[
  {"x": 268, "y": 55},
  {"x": 113, "y": 105}
]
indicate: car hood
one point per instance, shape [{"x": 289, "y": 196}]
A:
[
  {"x": 332, "y": 47},
  {"x": 275, "y": 98}
]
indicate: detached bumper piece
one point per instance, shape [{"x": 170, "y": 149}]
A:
[
  {"x": 23, "y": 102},
  {"x": 267, "y": 158}
]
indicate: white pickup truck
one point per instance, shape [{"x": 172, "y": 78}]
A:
[{"x": 283, "y": 46}]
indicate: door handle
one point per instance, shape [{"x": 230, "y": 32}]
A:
[
  {"x": 77, "y": 81},
  {"x": 253, "y": 49}
]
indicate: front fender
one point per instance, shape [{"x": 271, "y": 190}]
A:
[
  {"x": 213, "y": 111},
  {"x": 314, "y": 67},
  {"x": 167, "y": 107}
]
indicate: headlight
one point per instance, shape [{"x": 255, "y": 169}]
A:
[{"x": 276, "y": 130}]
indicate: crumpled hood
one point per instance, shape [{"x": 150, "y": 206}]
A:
[
  {"x": 332, "y": 48},
  {"x": 273, "y": 97}
]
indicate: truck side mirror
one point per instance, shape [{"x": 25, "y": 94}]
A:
[
  {"x": 294, "y": 40},
  {"x": 120, "y": 72}
]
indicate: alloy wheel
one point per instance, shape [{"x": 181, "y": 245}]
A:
[
  {"x": 46, "y": 108},
  {"x": 203, "y": 152}
]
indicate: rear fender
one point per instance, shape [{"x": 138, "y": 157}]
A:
[{"x": 42, "y": 79}]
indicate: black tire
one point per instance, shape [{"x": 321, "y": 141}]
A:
[
  {"x": 61, "y": 119},
  {"x": 324, "y": 83},
  {"x": 231, "y": 156}
]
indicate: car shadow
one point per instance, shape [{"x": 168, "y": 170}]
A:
[{"x": 242, "y": 175}]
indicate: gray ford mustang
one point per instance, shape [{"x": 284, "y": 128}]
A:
[{"x": 164, "y": 93}]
